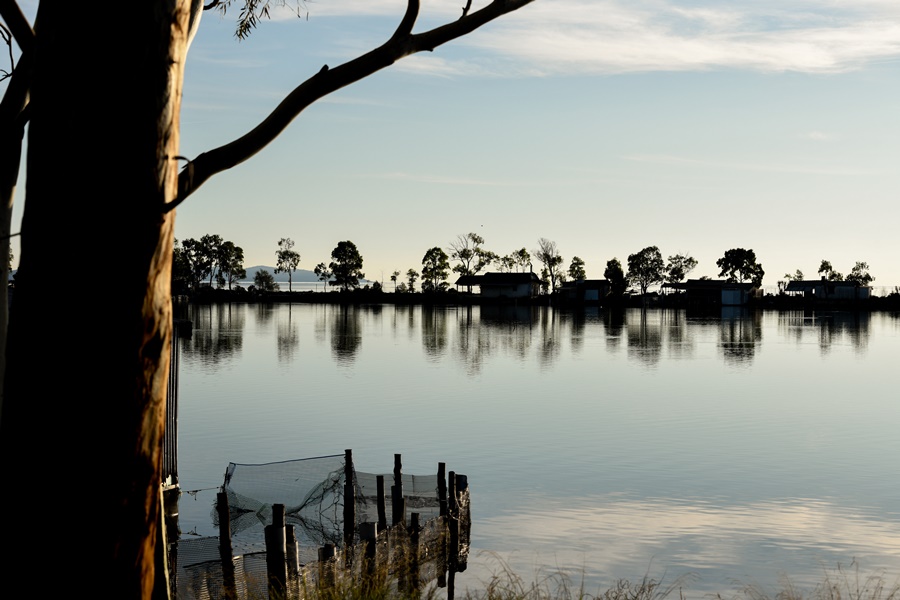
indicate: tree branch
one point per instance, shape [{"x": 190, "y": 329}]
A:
[
  {"x": 401, "y": 44},
  {"x": 17, "y": 23}
]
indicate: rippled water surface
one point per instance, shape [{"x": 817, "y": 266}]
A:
[{"x": 737, "y": 448}]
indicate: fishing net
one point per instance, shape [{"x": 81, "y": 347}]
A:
[{"x": 311, "y": 490}]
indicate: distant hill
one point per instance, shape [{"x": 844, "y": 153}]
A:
[{"x": 298, "y": 276}]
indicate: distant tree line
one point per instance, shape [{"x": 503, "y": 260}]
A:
[
  {"x": 211, "y": 261},
  {"x": 204, "y": 262}
]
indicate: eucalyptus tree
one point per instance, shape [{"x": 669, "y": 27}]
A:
[
  {"x": 646, "y": 268},
  {"x": 469, "y": 252},
  {"x": 548, "y": 254},
  {"x": 134, "y": 181},
  {"x": 860, "y": 274},
  {"x": 346, "y": 265},
  {"x": 230, "y": 264},
  {"x": 678, "y": 267},
  {"x": 740, "y": 265},
  {"x": 411, "y": 276},
  {"x": 615, "y": 275},
  {"x": 265, "y": 282},
  {"x": 323, "y": 273},
  {"x": 435, "y": 269},
  {"x": 828, "y": 272},
  {"x": 286, "y": 259},
  {"x": 576, "y": 269}
]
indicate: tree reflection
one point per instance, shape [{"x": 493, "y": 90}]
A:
[
  {"x": 829, "y": 328},
  {"x": 218, "y": 332},
  {"x": 614, "y": 321},
  {"x": 287, "y": 338},
  {"x": 739, "y": 333},
  {"x": 644, "y": 332},
  {"x": 434, "y": 330},
  {"x": 346, "y": 333},
  {"x": 550, "y": 336}
]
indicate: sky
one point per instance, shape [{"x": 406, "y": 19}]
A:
[{"x": 604, "y": 125}]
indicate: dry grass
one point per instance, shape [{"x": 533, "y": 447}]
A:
[{"x": 838, "y": 584}]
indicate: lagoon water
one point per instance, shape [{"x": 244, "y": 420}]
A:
[{"x": 715, "y": 451}]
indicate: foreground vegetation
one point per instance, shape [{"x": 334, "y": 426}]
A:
[{"x": 841, "y": 583}]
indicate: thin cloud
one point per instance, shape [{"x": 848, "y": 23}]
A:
[
  {"x": 706, "y": 164},
  {"x": 615, "y": 36},
  {"x": 819, "y": 136},
  {"x": 449, "y": 180}
]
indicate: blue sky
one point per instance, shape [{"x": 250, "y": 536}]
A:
[{"x": 606, "y": 126}]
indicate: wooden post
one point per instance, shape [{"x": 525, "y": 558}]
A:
[
  {"x": 453, "y": 523},
  {"x": 225, "y": 548},
  {"x": 382, "y": 512},
  {"x": 414, "y": 553},
  {"x": 276, "y": 548},
  {"x": 397, "y": 504},
  {"x": 442, "y": 489},
  {"x": 368, "y": 534},
  {"x": 327, "y": 559},
  {"x": 349, "y": 503},
  {"x": 292, "y": 554},
  {"x": 463, "y": 523},
  {"x": 445, "y": 518}
]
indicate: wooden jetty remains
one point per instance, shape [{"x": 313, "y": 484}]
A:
[{"x": 329, "y": 533}]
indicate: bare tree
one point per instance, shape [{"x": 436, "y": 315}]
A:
[
  {"x": 117, "y": 139},
  {"x": 549, "y": 255}
]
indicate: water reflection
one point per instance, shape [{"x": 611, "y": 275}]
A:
[
  {"x": 346, "y": 333},
  {"x": 475, "y": 334},
  {"x": 613, "y": 536},
  {"x": 218, "y": 332},
  {"x": 288, "y": 340},
  {"x": 644, "y": 332},
  {"x": 434, "y": 330},
  {"x": 739, "y": 333},
  {"x": 826, "y": 328}
]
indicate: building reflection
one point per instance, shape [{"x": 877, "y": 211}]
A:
[
  {"x": 218, "y": 332},
  {"x": 826, "y": 328},
  {"x": 740, "y": 331}
]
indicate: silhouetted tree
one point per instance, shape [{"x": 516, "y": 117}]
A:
[
  {"x": 198, "y": 259},
  {"x": 576, "y": 269},
  {"x": 411, "y": 276},
  {"x": 394, "y": 276},
  {"x": 286, "y": 259},
  {"x": 679, "y": 266},
  {"x": 230, "y": 264},
  {"x": 614, "y": 274},
  {"x": 860, "y": 274},
  {"x": 435, "y": 268},
  {"x": 265, "y": 282},
  {"x": 740, "y": 265},
  {"x": 826, "y": 271},
  {"x": 548, "y": 254},
  {"x": 322, "y": 272},
  {"x": 645, "y": 268},
  {"x": 346, "y": 265},
  {"x": 468, "y": 252}
]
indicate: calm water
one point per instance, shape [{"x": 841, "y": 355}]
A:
[{"x": 740, "y": 448}]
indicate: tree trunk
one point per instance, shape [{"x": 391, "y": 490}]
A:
[{"x": 88, "y": 357}]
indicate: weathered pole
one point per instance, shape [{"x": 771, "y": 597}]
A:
[
  {"x": 397, "y": 504},
  {"x": 382, "y": 511},
  {"x": 276, "y": 549},
  {"x": 349, "y": 503},
  {"x": 225, "y": 547}
]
